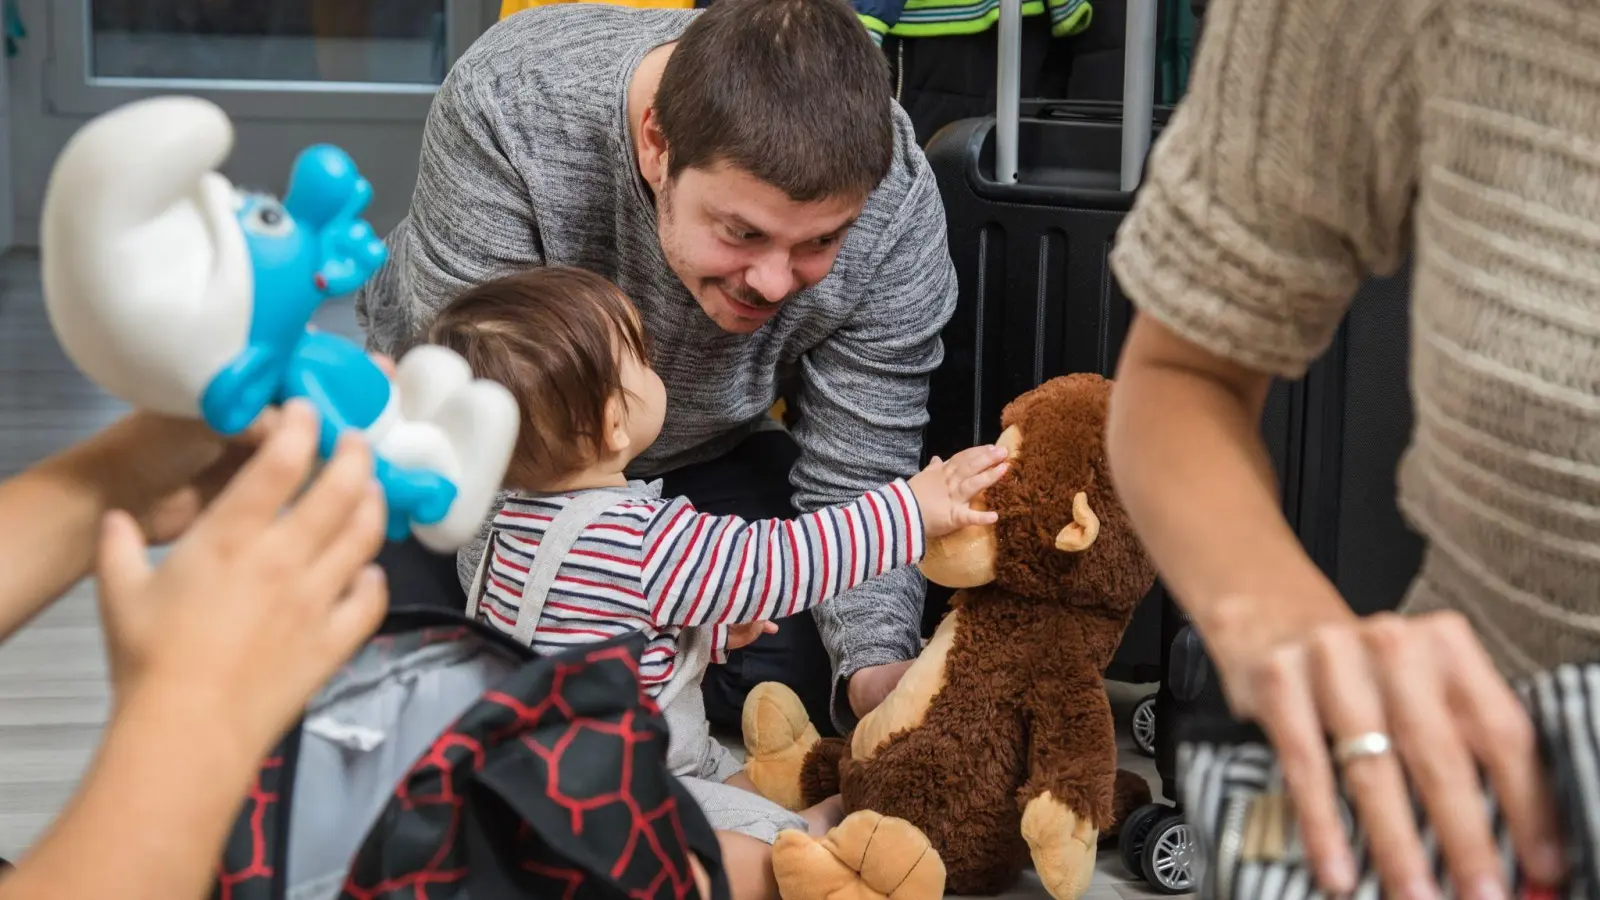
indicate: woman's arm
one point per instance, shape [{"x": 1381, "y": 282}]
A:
[
  {"x": 48, "y": 514},
  {"x": 156, "y": 805},
  {"x": 1190, "y": 465},
  {"x": 159, "y": 469}
]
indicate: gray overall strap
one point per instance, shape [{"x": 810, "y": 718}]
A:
[{"x": 579, "y": 513}]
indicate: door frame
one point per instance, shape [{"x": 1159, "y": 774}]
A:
[{"x": 71, "y": 88}]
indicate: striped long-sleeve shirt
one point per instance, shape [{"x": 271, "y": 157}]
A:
[{"x": 660, "y": 566}]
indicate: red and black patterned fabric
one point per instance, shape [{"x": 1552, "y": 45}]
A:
[
  {"x": 252, "y": 862},
  {"x": 552, "y": 785}
]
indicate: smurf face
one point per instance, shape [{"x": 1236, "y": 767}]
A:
[
  {"x": 285, "y": 261},
  {"x": 263, "y": 218},
  {"x": 310, "y": 247}
]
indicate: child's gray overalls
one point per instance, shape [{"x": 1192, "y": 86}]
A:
[{"x": 699, "y": 760}]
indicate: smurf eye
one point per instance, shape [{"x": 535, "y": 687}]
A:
[{"x": 268, "y": 219}]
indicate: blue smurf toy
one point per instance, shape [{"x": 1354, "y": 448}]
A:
[{"x": 180, "y": 294}]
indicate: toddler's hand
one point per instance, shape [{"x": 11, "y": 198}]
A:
[
  {"x": 945, "y": 490},
  {"x": 745, "y": 634}
]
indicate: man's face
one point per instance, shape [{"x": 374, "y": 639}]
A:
[{"x": 742, "y": 247}]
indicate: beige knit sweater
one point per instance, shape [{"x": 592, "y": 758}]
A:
[{"x": 1322, "y": 139}]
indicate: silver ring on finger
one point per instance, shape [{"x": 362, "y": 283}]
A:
[{"x": 1362, "y": 746}]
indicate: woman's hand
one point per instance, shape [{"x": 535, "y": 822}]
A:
[
  {"x": 1404, "y": 700},
  {"x": 262, "y": 599},
  {"x": 164, "y": 470}
]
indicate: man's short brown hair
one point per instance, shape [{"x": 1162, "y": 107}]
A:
[
  {"x": 552, "y": 336},
  {"x": 792, "y": 91}
]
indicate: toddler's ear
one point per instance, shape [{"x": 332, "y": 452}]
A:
[{"x": 615, "y": 436}]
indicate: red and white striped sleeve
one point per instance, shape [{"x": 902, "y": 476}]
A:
[{"x": 701, "y": 569}]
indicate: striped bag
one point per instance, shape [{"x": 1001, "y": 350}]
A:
[{"x": 1240, "y": 815}]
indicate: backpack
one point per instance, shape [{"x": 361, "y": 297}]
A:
[{"x": 444, "y": 760}]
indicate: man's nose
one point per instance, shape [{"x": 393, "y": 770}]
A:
[{"x": 772, "y": 277}]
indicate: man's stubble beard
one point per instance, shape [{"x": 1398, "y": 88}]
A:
[{"x": 666, "y": 236}]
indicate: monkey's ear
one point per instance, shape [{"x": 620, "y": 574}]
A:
[
  {"x": 1084, "y": 528},
  {"x": 1011, "y": 440}
]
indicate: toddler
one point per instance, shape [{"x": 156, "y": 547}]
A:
[{"x": 580, "y": 554}]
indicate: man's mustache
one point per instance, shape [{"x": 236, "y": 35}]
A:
[{"x": 751, "y": 298}]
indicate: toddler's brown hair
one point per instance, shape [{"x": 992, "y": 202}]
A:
[{"x": 552, "y": 335}]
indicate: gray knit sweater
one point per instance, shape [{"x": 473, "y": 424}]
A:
[
  {"x": 527, "y": 159},
  {"x": 1320, "y": 140}
]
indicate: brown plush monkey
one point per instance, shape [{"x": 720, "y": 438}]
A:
[{"x": 998, "y": 744}]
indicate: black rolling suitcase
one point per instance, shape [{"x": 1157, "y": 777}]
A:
[{"x": 1033, "y": 197}]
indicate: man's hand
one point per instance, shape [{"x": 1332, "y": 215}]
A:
[
  {"x": 868, "y": 688},
  {"x": 258, "y": 603},
  {"x": 745, "y": 634},
  {"x": 163, "y": 470}
]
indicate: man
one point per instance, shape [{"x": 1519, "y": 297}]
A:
[{"x": 745, "y": 176}]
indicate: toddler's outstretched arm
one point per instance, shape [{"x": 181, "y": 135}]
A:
[{"x": 720, "y": 570}]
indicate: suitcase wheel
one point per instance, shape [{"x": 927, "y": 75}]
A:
[
  {"x": 1130, "y": 843},
  {"x": 1170, "y": 857},
  {"x": 1142, "y": 725}
]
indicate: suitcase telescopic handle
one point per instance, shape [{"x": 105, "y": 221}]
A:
[{"x": 1138, "y": 90}]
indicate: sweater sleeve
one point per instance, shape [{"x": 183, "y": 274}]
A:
[
  {"x": 701, "y": 569},
  {"x": 470, "y": 218},
  {"x": 1284, "y": 179},
  {"x": 863, "y": 403}
]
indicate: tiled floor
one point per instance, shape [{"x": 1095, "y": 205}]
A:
[{"x": 53, "y": 697}]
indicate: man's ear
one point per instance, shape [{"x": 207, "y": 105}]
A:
[
  {"x": 652, "y": 151},
  {"x": 615, "y": 437}
]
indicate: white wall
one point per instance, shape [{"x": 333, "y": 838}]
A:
[{"x": 386, "y": 151}]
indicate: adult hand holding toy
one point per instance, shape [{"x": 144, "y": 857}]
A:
[{"x": 181, "y": 294}]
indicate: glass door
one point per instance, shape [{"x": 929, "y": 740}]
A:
[
  {"x": 397, "y": 45},
  {"x": 295, "y": 59},
  {"x": 356, "y": 73}
]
